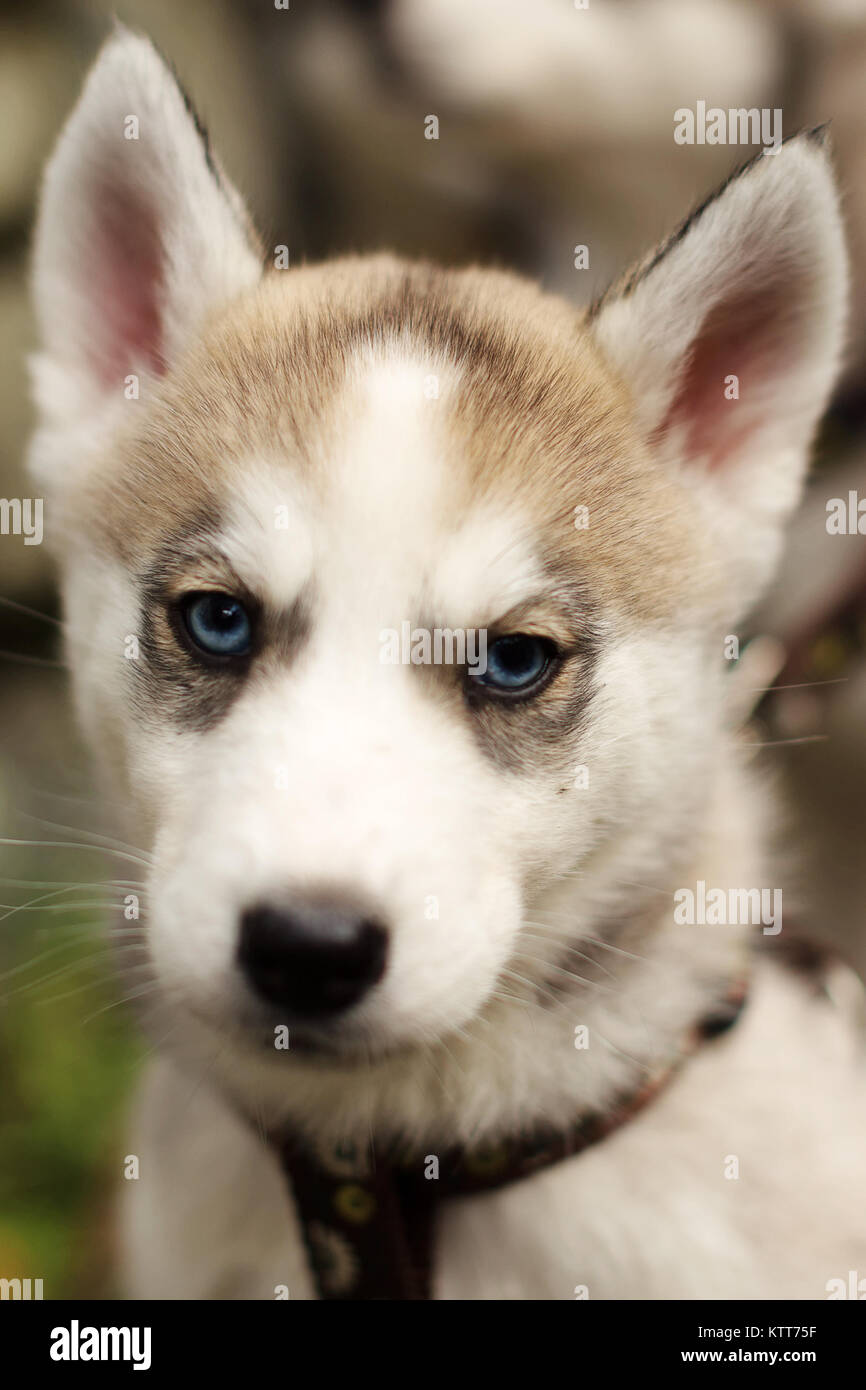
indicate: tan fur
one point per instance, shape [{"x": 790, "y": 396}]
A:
[{"x": 540, "y": 423}]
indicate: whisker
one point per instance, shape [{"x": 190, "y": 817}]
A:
[
  {"x": 31, "y": 612},
  {"x": 542, "y": 936},
  {"x": 625, "y": 882},
  {"x": 34, "y": 960},
  {"x": 24, "y": 659},
  {"x": 643, "y": 1066},
  {"x": 73, "y": 882},
  {"x": 597, "y": 941},
  {"x": 218, "y": 1052},
  {"x": 13, "y": 909},
  {"x": 70, "y": 844},
  {"x": 431, "y": 1062},
  {"x": 110, "y": 840},
  {"x": 147, "y": 988},
  {"x": 788, "y": 742},
  {"x": 55, "y": 622},
  {"x": 60, "y": 907},
  {"x": 151, "y": 1051},
  {"x": 561, "y": 970},
  {"x": 530, "y": 984},
  {"x": 32, "y": 905},
  {"x": 101, "y": 950},
  {"x": 81, "y": 963}
]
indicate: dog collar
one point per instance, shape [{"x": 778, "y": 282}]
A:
[{"x": 368, "y": 1219}]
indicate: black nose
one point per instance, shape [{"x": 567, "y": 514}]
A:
[{"x": 312, "y": 958}]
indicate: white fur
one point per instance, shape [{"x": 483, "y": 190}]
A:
[{"x": 650, "y": 1213}]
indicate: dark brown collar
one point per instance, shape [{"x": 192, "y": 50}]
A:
[{"x": 368, "y": 1219}]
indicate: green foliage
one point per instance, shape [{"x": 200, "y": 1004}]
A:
[{"x": 68, "y": 1060}]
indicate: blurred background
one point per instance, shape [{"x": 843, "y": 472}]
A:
[{"x": 555, "y": 131}]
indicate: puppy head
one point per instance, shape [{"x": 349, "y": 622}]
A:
[{"x": 272, "y": 489}]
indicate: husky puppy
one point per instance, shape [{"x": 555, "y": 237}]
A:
[{"x": 453, "y": 890}]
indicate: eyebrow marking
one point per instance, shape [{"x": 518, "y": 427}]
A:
[
  {"x": 170, "y": 679},
  {"x": 546, "y": 615},
  {"x": 542, "y": 732}
]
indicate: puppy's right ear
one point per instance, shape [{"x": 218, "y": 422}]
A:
[
  {"x": 728, "y": 339},
  {"x": 139, "y": 235}
]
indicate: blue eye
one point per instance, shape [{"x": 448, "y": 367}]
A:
[
  {"x": 218, "y": 623},
  {"x": 516, "y": 663}
]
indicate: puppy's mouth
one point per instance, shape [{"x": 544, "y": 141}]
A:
[
  {"x": 341, "y": 1043},
  {"x": 330, "y": 1051},
  {"x": 322, "y": 1050}
]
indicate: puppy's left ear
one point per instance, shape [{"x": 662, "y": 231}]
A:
[
  {"x": 729, "y": 337},
  {"x": 139, "y": 234}
]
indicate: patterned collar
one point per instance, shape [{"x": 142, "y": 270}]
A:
[{"x": 369, "y": 1225}]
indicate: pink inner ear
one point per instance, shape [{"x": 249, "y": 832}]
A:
[
  {"x": 126, "y": 285},
  {"x": 751, "y": 337}
]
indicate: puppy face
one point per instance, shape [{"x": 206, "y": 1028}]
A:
[{"x": 267, "y": 485}]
